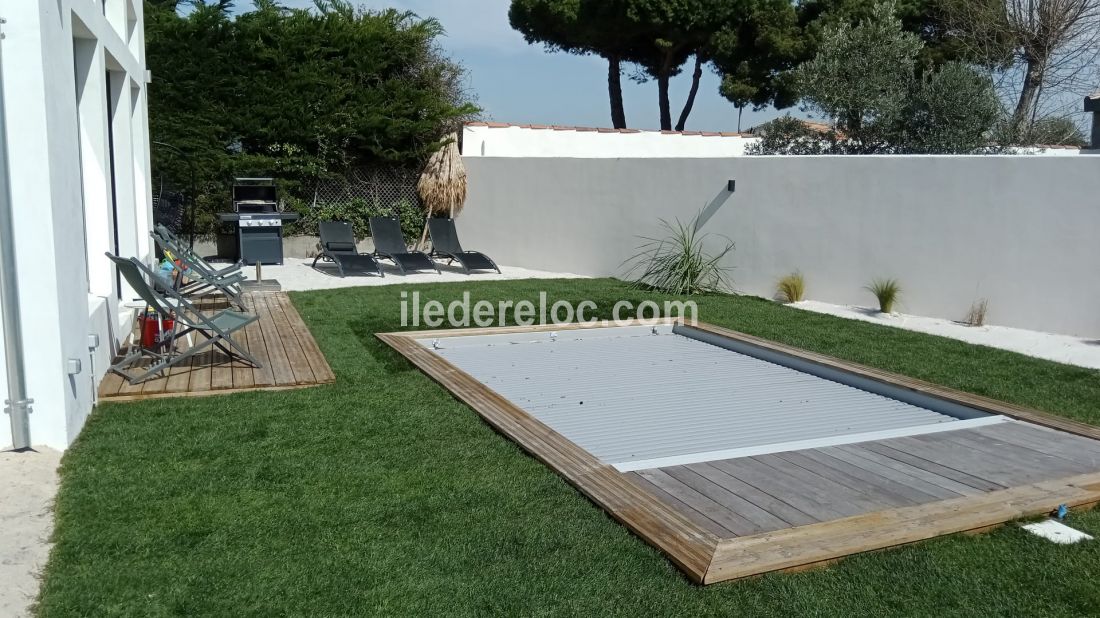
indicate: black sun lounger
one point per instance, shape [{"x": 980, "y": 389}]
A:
[
  {"x": 445, "y": 245},
  {"x": 217, "y": 329},
  {"x": 338, "y": 246},
  {"x": 389, "y": 244}
]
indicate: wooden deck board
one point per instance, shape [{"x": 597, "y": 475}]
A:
[
  {"x": 299, "y": 364},
  {"x": 926, "y": 483},
  {"x": 280, "y": 362},
  {"x": 726, "y": 519},
  {"x": 321, "y": 370},
  {"x": 279, "y": 340},
  {"x": 262, "y": 375},
  {"x": 760, "y": 518},
  {"x": 786, "y": 513}
]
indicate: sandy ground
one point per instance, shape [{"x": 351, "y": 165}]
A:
[
  {"x": 28, "y": 483},
  {"x": 296, "y": 274},
  {"x": 1059, "y": 348}
]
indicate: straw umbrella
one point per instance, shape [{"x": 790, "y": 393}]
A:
[{"x": 442, "y": 185}]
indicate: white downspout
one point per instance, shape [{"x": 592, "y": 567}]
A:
[{"x": 16, "y": 405}]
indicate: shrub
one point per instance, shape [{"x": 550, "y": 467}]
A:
[
  {"x": 679, "y": 263},
  {"x": 887, "y": 292},
  {"x": 299, "y": 94},
  {"x": 976, "y": 315},
  {"x": 791, "y": 288},
  {"x": 358, "y": 212}
]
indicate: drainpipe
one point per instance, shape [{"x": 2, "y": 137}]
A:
[
  {"x": 17, "y": 405},
  {"x": 1092, "y": 104}
]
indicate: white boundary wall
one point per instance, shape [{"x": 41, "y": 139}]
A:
[
  {"x": 484, "y": 139},
  {"x": 56, "y": 55},
  {"x": 519, "y": 141},
  {"x": 1022, "y": 231}
]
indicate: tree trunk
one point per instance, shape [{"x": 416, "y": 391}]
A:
[
  {"x": 740, "y": 108},
  {"x": 662, "y": 100},
  {"x": 695, "y": 77},
  {"x": 615, "y": 92},
  {"x": 1029, "y": 92}
]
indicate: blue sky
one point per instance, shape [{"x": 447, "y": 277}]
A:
[{"x": 521, "y": 83}]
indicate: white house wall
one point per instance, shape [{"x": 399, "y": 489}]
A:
[{"x": 61, "y": 191}]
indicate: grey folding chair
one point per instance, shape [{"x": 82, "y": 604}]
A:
[
  {"x": 180, "y": 248},
  {"x": 389, "y": 244},
  {"x": 445, "y": 245},
  {"x": 217, "y": 329},
  {"x": 337, "y": 245},
  {"x": 200, "y": 279}
]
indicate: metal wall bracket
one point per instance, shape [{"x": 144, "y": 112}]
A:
[{"x": 22, "y": 404}]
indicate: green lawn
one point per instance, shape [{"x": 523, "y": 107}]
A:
[{"x": 382, "y": 495}]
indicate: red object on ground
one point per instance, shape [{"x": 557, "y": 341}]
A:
[{"x": 153, "y": 330}]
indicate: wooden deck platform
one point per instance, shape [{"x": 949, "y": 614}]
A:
[
  {"x": 280, "y": 340},
  {"x": 727, "y": 519}
]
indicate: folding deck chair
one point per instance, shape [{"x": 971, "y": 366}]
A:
[
  {"x": 338, "y": 246},
  {"x": 181, "y": 248},
  {"x": 197, "y": 271},
  {"x": 445, "y": 245},
  {"x": 389, "y": 244},
  {"x": 217, "y": 329}
]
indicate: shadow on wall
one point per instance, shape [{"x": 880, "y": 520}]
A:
[{"x": 715, "y": 204}]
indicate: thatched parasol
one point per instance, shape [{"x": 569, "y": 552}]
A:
[{"x": 442, "y": 184}]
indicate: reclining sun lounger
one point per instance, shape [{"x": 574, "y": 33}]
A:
[
  {"x": 200, "y": 280},
  {"x": 338, "y": 246},
  {"x": 181, "y": 248},
  {"x": 389, "y": 244},
  {"x": 217, "y": 329},
  {"x": 445, "y": 245}
]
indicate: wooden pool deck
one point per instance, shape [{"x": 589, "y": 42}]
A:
[
  {"x": 280, "y": 340},
  {"x": 734, "y": 518}
]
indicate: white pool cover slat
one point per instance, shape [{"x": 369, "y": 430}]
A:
[{"x": 637, "y": 399}]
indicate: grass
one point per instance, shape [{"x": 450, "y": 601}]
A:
[
  {"x": 791, "y": 288},
  {"x": 382, "y": 495},
  {"x": 679, "y": 263},
  {"x": 886, "y": 291},
  {"x": 976, "y": 315}
]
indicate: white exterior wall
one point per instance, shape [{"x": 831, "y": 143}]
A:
[
  {"x": 514, "y": 141},
  {"x": 1020, "y": 231},
  {"x": 56, "y": 55},
  {"x": 499, "y": 140}
]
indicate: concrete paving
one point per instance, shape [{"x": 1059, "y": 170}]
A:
[
  {"x": 296, "y": 274},
  {"x": 28, "y": 484}
]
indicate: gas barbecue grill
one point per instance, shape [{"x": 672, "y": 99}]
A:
[{"x": 258, "y": 220}]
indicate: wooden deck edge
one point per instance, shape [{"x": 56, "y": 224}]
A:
[
  {"x": 534, "y": 328},
  {"x": 986, "y": 404},
  {"x": 209, "y": 393},
  {"x": 686, "y": 544},
  {"x": 708, "y": 559},
  {"x": 816, "y": 544}
]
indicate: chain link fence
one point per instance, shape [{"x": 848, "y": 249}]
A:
[
  {"x": 169, "y": 205},
  {"x": 364, "y": 193}
]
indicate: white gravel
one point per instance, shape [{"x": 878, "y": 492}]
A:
[
  {"x": 1059, "y": 348},
  {"x": 296, "y": 275},
  {"x": 28, "y": 484}
]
